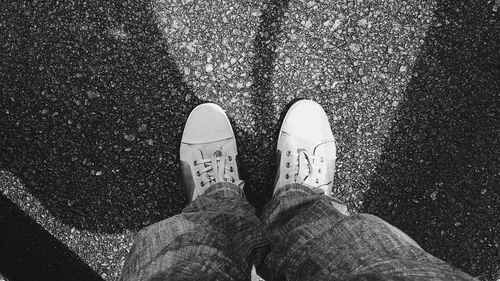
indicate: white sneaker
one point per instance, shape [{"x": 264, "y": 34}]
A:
[
  {"x": 208, "y": 150},
  {"x": 306, "y": 148}
]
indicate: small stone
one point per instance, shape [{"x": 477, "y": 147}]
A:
[
  {"x": 98, "y": 173},
  {"x": 233, "y": 60},
  {"x": 395, "y": 103},
  {"x": 149, "y": 141},
  {"x": 187, "y": 71},
  {"x": 362, "y": 22},
  {"x": 209, "y": 67},
  {"x": 129, "y": 137},
  {"x": 308, "y": 24},
  {"x": 257, "y": 13},
  {"x": 335, "y": 25},
  {"x": 142, "y": 128},
  {"x": 328, "y": 23},
  {"x": 364, "y": 79},
  {"x": 176, "y": 24},
  {"x": 433, "y": 195},
  {"x": 236, "y": 31},
  {"x": 354, "y": 47},
  {"x": 483, "y": 191},
  {"x": 93, "y": 95},
  {"x": 45, "y": 111},
  {"x": 402, "y": 68},
  {"x": 311, "y": 4}
]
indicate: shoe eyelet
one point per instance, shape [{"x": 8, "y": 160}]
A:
[
  {"x": 230, "y": 158},
  {"x": 198, "y": 173},
  {"x": 194, "y": 163},
  {"x": 232, "y": 180},
  {"x": 202, "y": 184},
  {"x": 288, "y": 153},
  {"x": 287, "y": 176},
  {"x": 231, "y": 169},
  {"x": 287, "y": 164},
  {"x": 319, "y": 170},
  {"x": 317, "y": 180},
  {"x": 322, "y": 160}
]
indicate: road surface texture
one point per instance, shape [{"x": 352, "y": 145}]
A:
[{"x": 95, "y": 94}]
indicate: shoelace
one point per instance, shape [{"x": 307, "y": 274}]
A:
[
  {"x": 216, "y": 169},
  {"x": 305, "y": 170}
]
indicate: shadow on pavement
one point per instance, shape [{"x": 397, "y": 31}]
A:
[
  {"x": 257, "y": 151},
  {"x": 41, "y": 257},
  {"x": 95, "y": 107},
  {"x": 438, "y": 178}
]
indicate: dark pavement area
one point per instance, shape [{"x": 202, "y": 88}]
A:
[
  {"x": 95, "y": 95},
  {"x": 438, "y": 178},
  {"x": 25, "y": 243}
]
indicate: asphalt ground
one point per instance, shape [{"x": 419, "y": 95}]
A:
[{"x": 95, "y": 95}]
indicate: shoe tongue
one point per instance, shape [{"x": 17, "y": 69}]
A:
[
  {"x": 310, "y": 146},
  {"x": 218, "y": 166},
  {"x": 305, "y": 168},
  {"x": 207, "y": 150},
  {"x": 217, "y": 153}
]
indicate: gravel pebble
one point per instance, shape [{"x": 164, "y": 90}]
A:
[{"x": 354, "y": 47}]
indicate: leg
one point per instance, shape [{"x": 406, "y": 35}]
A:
[
  {"x": 316, "y": 241},
  {"x": 311, "y": 235},
  {"x": 213, "y": 238},
  {"x": 217, "y": 236}
]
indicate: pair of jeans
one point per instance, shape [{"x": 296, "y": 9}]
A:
[{"x": 301, "y": 236}]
